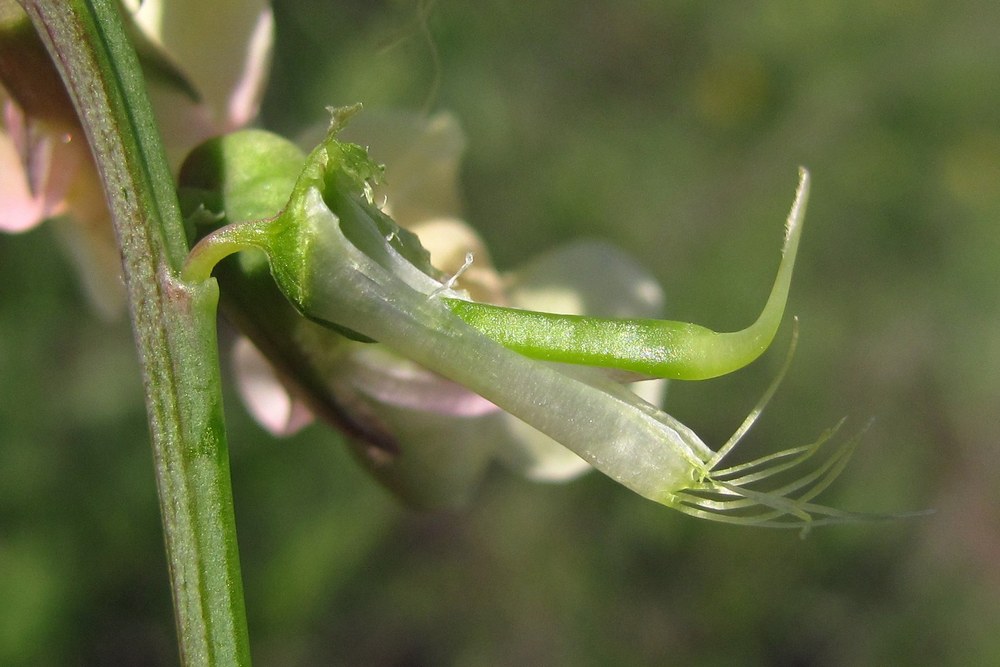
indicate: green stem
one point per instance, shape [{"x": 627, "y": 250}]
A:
[{"x": 174, "y": 325}]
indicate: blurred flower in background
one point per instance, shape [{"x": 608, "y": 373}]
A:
[{"x": 202, "y": 81}]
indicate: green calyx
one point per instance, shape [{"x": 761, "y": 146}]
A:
[
  {"x": 657, "y": 348},
  {"x": 261, "y": 179}
]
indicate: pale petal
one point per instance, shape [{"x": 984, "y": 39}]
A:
[
  {"x": 444, "y": 434},
  {"x": 20, "y": 210},
  {"x": 244, "y": 100},
  {"x": 47, "y": 175}
]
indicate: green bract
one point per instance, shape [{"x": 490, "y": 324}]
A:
[{"x": 341, "y": 262}]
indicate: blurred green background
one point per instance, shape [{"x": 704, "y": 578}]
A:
[{"x": 675, "y": 130}]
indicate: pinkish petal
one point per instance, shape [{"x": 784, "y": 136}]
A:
[
  {"x": 37, "y": 169},
  {"x": 244, "y": 102},
  {"x": 20, "y": 210},
  {"x": 267, "y": 399},
  {"x": 392, "y": 380}
]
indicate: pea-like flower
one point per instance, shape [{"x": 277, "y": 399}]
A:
[
  {"x": 427, "y": 437},
  {"x": 346, "y": 266},
  {"x": 203, "y": 80}
]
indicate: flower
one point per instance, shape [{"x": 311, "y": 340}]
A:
[
  {"x": 201, "y": 81},
  {"x": 341, "y": 262},
  {"x": 443, "y": 435}
]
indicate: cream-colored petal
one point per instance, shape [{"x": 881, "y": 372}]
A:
[
  {"x": 450, "y": 243},
  {"x": 223, "y": 48},
  {"x": 422, "y": 157}
]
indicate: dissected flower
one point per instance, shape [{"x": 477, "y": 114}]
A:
[
  {"x": 443, "y": 435},
  {"x": 346, "y": 266},
  {"x": 203, "y": 80}
]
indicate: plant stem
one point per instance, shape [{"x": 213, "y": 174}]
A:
[{"x": 174, "y": 325}]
